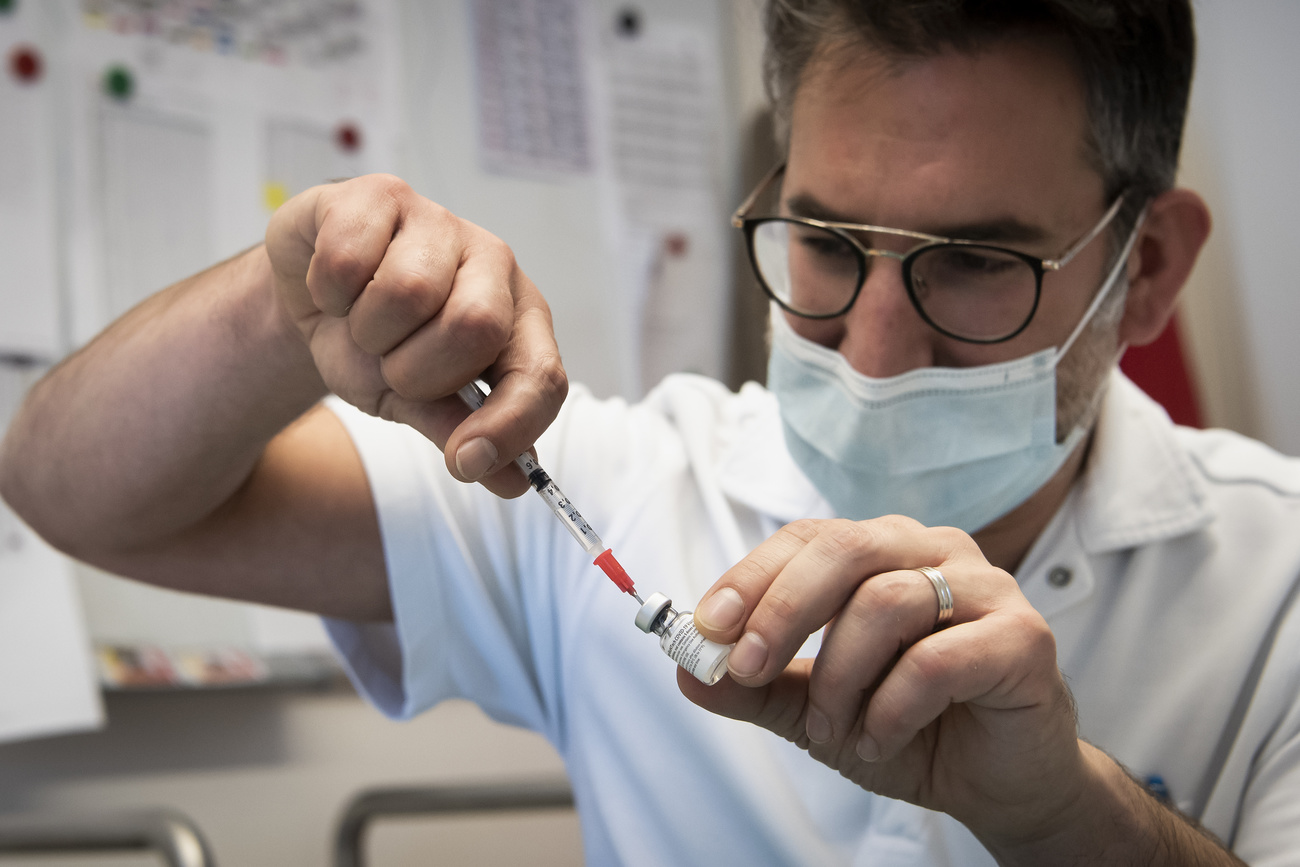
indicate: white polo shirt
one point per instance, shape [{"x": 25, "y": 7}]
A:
[{"x": 1169, "y": 577}]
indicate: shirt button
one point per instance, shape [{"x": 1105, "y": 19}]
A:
[{"x": 1060, "y": 576}]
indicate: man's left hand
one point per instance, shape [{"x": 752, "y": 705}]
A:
[{"x": 973, "y": 720}]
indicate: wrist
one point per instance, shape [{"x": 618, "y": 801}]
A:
[
  {"x": 1112, "y": 821},
  {"x": 276, "y": 352},
  {"x": 1079, "y": 831}
]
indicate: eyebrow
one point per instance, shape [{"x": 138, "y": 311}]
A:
[{"x": 1007, "y": 230}]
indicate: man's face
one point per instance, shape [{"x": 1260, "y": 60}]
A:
[{"x": 986, "y": 147}]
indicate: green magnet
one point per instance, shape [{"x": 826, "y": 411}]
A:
[
  {"x": 119, "y": 83},
  {"x": 8, "y": 6}
]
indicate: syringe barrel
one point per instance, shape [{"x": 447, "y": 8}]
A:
[{"x": 559, "y": 504}]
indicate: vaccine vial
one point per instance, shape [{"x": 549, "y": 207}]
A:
[{"x": 705, "y": 659}]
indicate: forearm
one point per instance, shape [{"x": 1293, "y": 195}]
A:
[
  {"x": 162, "y": 417},
  {"x": 1118, "y": 823}
]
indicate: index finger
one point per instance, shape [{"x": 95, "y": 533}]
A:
[
  {"x": 799, "y": 579},
  {"x": 528, "y": 388},
  {"x": 348, "y": 230}
]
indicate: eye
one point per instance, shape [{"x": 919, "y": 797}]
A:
[
  {"x": 829, "y": 249},
  {"x": 957, "y": 267},
  {"x": 974, "y": 262}
]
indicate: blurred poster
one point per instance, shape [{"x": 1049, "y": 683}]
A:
[
  {"x": 190, "y": 122},
  {"x": 664, "y": 104},
  {"x": 530, "y": 65},
  {"x": 662, "y": 113},
  {"x": 29, "y": 289},
  {"x": 156, "y": 171}
]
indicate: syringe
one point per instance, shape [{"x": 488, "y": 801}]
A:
[
  {"x": 562, "y": 507},
  {"x": 678, "y": 636}
]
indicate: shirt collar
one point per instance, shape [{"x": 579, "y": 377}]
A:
[{"x": 1139, "y": 485}]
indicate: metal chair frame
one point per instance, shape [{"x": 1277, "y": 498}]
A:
[
  {"x": 171, "y": 834},
  {"x": 440, "y": 800}
]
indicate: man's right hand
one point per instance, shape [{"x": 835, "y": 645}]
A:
[{"x": 402, "y": 303}]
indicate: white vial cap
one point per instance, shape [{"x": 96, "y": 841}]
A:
[{"x": 654, "y": 605}]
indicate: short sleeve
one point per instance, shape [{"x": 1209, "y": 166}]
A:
[{"x": 473, "y": 618}]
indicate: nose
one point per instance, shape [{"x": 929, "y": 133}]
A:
[{"x": 883, "y": 334}]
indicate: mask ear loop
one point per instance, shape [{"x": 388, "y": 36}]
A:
[
  {"x": 1094, "y": 405},
  {"x": 1104, "y": 291}
]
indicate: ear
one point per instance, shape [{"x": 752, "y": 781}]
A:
[{"x": 1171, "y": 236}]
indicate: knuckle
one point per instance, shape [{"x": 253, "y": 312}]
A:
[
  {"x": 401, "y": 377},
  {"x": 951, "y": 537},
  {"x": 886, "y": 592},
  {"x": 1038, "y": 635},
  {"x": 384, "y": 405},
  {"x": 929, "y": 663},
  {"x": 550, "y": 377},
  {"x": 885, "y": 716},
  {"x": 500, "y": 251},
  {"x": 481, "y": 324},
  {"x": 411, "y": 296},
  {"x": 846, "y": 540},
  {"x": 390, "y": 186},
  {"x": 340, "y": 263},
  {"x": 955, "y": 541},
  {"x": 780, "y": 606},
  {"x": 897, "y": 522},
  {"x": 804, "y": 529}
]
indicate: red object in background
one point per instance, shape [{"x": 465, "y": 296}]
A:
[
  {"x": 348, "y": 137},
  {"x": 25, "y": 63},
  {"x": 1160, "y": 369},
  {"x": 676, "y": 244}
]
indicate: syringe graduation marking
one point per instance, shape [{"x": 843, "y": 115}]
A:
[{"x": 562, "y": 507}]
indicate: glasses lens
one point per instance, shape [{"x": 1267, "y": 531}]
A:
[
  {"x": 980, "y": 293},
  {"x": 809, "y": 270}
]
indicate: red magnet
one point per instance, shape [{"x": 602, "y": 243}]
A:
[
  {"x": 25, "y": 63},
  {"x": 676, "y": 244},
  {"x": 348, "y": 137}
]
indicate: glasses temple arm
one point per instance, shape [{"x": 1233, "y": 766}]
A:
[
  {"x": 738, "y": 218},
  {"x": 1058, "y": 264}
]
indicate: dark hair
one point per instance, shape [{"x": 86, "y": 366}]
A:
[{"x": 1135, "y": 58}]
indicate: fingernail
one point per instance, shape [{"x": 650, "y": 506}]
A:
[
  {"x": 748, "y": 656},
  {"x": 475, "y": 458},
  {"x": 721, "y": 611},
  {"x": 819, "y": 726},
  {"x": 868, "y": 749}
]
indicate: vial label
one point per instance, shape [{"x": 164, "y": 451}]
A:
[{"x": 705, "y": 659}]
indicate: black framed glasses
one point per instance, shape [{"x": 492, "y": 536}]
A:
[{"x": 967, "y": 290}]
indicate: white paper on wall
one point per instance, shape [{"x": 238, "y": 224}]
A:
[
  {"x": 530, "y": 62},
  {"x": 190, "y": 122},
  {"x": 186, "y": 124},
  {"x": 660, "y": 123},
  {"x": 157, "y": 173},
  {"x": 664, "y": 106},
  {"x": 48, "y": 683},
  {"x": 31, "y": 324}
]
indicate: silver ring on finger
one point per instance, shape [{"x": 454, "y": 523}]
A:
[{"x": 943, "y": 591}]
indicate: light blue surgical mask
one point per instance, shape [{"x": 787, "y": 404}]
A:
[{"x": 956, "y": 447}]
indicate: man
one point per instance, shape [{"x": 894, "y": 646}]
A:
[{"x": 975, "y": 215}]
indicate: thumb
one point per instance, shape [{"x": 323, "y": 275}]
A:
[{"x": 779, "y": 706}]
